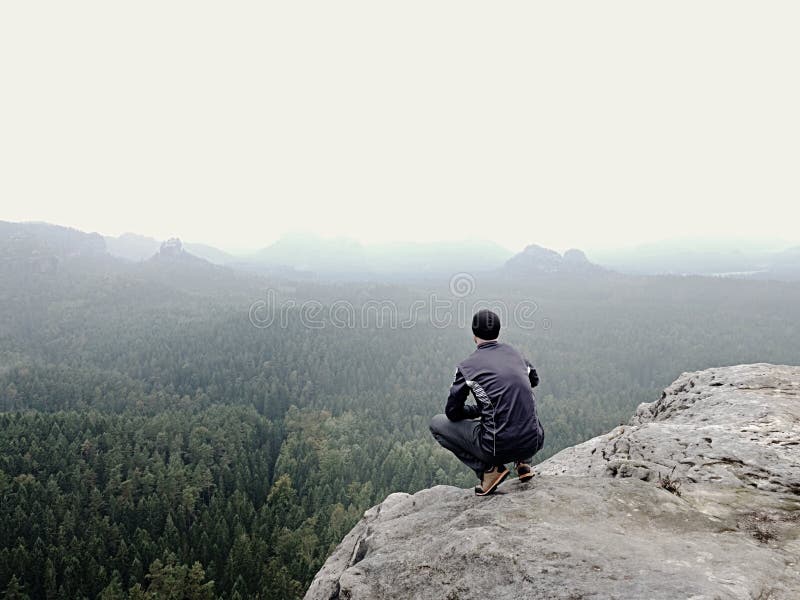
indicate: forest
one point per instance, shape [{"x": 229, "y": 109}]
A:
[{"x": 157, "y": 442}]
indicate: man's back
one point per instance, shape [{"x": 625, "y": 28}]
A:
[{"x": 501, "y": 380}]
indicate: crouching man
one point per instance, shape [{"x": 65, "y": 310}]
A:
[{"x": 503, "y": 427}]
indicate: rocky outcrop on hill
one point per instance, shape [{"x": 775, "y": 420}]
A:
[
  {"x": 173, "y": 251},
  {"x": 538, "y": 260},
  {"x": 698, "y": 496},
  {"x": 171, "y": 247}
]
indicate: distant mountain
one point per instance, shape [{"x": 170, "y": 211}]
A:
[
  {"x": 783, "y": 266},
  {"x": 63, "y": 241},
  {"x": 173, "y": 266},
  {"x": 173, "y": 250},
  {"x": 344, "y": 256},
  {"x": 210, "y": 253},
  {"x": 135, "y": 247},
  {"x": 312, "y": 253},
  {"x": 437, "y": 257},
  {"x": 35, "y": 246},
  {"x": 537, "y": 259},
  {"x": 719, "y": 258},
  {"x": 56, "y": 257},
  {"x": 132, "y": 246},
  {"x": 788, "y": 258}
]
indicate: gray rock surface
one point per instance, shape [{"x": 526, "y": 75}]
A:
[{"x": 599, "y": 519}]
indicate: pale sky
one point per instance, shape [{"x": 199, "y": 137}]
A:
[{"x": 587, "y": 124}]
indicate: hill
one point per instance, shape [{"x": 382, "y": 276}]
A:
[
  {"x": 134, "y": 247},
  {"x": 535, "y": 260},
  {"x": 339, "y": 257}
]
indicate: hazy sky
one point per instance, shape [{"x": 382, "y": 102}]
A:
[{"x": 584, "y": 124}]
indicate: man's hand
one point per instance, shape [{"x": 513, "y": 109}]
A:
[
  {"x": 456, "y": 410},
  {"x": 533, "y": 376}
]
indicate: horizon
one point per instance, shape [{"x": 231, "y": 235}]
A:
[
  {"x": 320, "y": 197},
  {"x": 676, "y": 244},
  {"x": 707, "y": 241}
]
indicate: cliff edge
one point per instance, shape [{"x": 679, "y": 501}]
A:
[{"x": 698, "y": 496}]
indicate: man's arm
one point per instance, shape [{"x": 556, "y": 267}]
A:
[
  {"x": 456, "y": 410},
  {"x": 533, "y": 376}
]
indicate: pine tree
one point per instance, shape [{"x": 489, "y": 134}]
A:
[{"x": 15, "y": 590}]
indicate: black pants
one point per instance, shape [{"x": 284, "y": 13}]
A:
[{"x": 462, "y": 439}]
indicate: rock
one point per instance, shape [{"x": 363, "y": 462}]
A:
[
  {"x": 576, "y": 257},
  {"x": 537, "y": 260},
  {"x": 599, "y": 519},
  {"x": 171, "y": 247},
  {"x": 737, "y": 425},
  {"x": 172, "y": 251}
]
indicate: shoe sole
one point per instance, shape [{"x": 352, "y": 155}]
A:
[
  {"x": 494, "y": 484},
  {"x": 524, "y": 478}
]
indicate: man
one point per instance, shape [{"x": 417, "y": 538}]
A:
[{"x": 503, "y": 427}]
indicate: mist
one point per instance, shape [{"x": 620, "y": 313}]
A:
[
  {"x": 244, "y": 247},
  {"x": 579, "y": 125}
]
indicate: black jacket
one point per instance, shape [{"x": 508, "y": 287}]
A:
[{"x": 502, "y": 382}]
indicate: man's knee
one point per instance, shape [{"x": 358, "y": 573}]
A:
[{"x": 438, "y": 424}]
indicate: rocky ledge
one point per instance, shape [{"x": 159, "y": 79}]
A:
[{"x": 697, "y": 497}]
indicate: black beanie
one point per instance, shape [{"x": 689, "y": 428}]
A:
[{"x": 486, "y": 325}]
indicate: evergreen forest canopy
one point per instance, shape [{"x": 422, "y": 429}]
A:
[{"x": 155, "y": 442}]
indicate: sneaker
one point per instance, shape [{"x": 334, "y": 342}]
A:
[
  {"x": 524, "y": 471},
  {"x": 491, "y": 479}
]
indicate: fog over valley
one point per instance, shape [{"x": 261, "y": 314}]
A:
[{"x": 376, "y": 301}]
